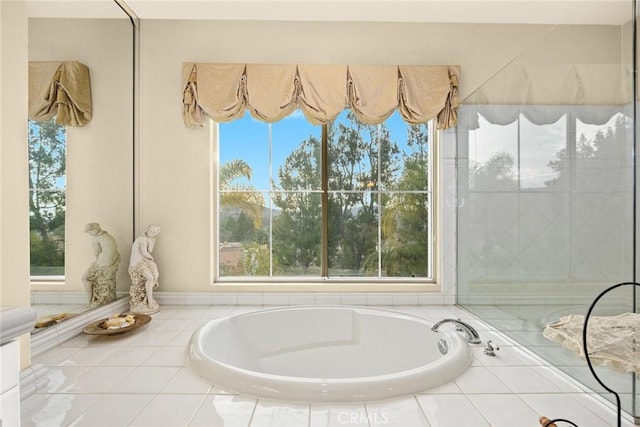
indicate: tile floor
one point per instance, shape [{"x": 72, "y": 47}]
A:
[
  {"x": 140, "y": 379},
  {"x": 525, "y": 324}
]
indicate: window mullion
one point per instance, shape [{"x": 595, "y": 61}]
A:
[{"x": 324, "y": 239}]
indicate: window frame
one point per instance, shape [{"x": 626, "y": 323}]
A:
[
  {"x": 49, "y": 279},
  {"x": 330, "y": 283}
]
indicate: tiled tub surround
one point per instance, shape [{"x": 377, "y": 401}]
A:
[{"x": 140, "y": 379}]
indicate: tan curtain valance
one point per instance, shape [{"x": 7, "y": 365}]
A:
[
  {"x": 271, "y": 92},
  {"x": 61, "y": 90}
]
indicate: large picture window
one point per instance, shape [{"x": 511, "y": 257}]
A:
[
  {"x": 339, "y": 201},
  {"x": 47, "y": 183}
]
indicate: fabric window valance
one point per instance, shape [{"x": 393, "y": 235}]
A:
[
  {"x": 537, "y": 114},
  {"x": 61, "y": 90},
  {"x": 565, "y": 84},
  {"x": 271, "y": 92}
]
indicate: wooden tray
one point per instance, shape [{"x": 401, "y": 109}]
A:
[{"x": 98, "y": 328}]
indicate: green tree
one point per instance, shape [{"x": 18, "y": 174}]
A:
[
  {"x": 296, "y": 230},
  {"x": 239, "y": 194}
]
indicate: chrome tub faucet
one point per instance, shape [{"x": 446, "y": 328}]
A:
[{"x": 471, "y": 334}]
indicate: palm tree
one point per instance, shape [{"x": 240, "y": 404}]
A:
[{"x": 240, "y": 195}]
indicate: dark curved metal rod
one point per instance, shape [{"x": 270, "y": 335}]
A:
[
  {"x": 548, "y": 423},
  {"x": 584, "y": 344}
]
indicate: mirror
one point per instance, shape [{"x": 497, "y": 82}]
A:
[{"x": 92, "y": 166}]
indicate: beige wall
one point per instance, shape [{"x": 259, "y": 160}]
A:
[
  {"x": 174, "y": 169},
  {"x": 99, "y": 155},
  {"x": 14, "y": 213}
]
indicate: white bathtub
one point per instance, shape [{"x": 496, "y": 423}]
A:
[{"x": 326, "y": 354}]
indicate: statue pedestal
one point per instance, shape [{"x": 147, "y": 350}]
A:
[{"x": 144, "y": 308}]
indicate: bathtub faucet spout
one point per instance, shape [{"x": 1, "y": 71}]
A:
[{"x": 471, "y": 334}]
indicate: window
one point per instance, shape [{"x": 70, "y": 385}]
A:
[
  {"x": 345, "y": 200},
  {"x": 47, "y": 182}
]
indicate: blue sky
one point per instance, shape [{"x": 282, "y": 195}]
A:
[{"x": 248, "y": 139}]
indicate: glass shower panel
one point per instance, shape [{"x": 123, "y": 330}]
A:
[{"x": 546, "y": 193}]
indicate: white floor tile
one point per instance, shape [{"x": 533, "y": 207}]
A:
[
  {"x": 167, "y": 356},
  {"x": 559, "y": 380},
  {"x": 130, "y": 356},
  {"x": 281, "y": 414},
  {"x": 187, "y": 381},
  {"x": 396, "y": 413},
  {"x": 504, "y": 410},
  {"x": 451, "y": 410},
  {"x": 478, "y": 379},
  {"x": 224, "y": 411},
  {"x": 62, "y": 377},
  {"x": 113, "y": 410},
  {"x": 55, "y": 356},
  {"x": 97, "y": 380},
  {"x": 157, "y": 337},
  {"x": 523, "y": 379},
  {"x": 170, "y": 410},
  {"x": 145, "y": 379},
  {"x": 89, "y": 356},
  {"x": 338, "y": 415},
  {"x": 174, "y": 324},
  {"x": 448, "y": 388},
  {"x": 181, "y": 339},
  {"x": 58, "y": 410}
]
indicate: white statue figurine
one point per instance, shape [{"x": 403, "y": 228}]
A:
[
  {"x": 100, "y": 279},
  {"x": 144, "y": 273}
]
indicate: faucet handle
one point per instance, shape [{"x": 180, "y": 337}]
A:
[{"x": 490, "y": 349}]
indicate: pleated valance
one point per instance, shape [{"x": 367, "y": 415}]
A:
[
  {"x": 61, "y": 90},
  {"x": 564, "y": 84},
  {"x": 271, "y": 92},
  {"x": 503, "y": 115}
]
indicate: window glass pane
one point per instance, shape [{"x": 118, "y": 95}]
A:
[
  {"x": 602, "y": 155},
  {"x": 405, "y": 235},
  {"x": 296, "y": 233},
  {"x": 244, "y": 153},
  {"x": 543, "y": 155},
  {"x": 296, "y": 154},
  {"x": 353, "y": 154},
  {"x": 47, "y": 181},
  {"x": 244, "y": 240},
  {"x": 493, "y": 156},
  {"x": 353, "y": 234},
  {"x": 411, "y": 165}
]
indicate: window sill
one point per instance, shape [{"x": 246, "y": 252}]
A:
[{"x": 325, "y": 287}]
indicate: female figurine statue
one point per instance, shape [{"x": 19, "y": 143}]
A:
[
  {"x": 144, "y": 273},
  {"x": 100, "y": 279}
]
